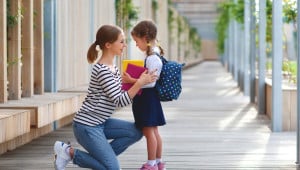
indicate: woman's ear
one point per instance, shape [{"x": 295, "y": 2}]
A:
[{"x": 107, "y": 45}]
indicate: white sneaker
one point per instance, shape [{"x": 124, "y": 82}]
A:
[{"x": 62, "y": 158}]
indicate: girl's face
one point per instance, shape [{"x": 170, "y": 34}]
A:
[
  {"x": 141, "y": 43},
  {"x": 118, "y": 46}
]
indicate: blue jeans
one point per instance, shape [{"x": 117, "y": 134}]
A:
[{"x": 102, "y": 154}]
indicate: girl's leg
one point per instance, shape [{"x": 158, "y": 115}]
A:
[
  {"x": 122, "y": 133},
  {"x": 151, "y": 142},
  {"x": 100, "y": 154},
  {"x": 159, "y": 143}
]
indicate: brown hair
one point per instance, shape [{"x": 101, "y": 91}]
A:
[
  {"x": 105, "y": 34},
  {"x": 147, "y": 29}
]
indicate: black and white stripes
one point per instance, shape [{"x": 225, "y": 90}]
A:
[{"x": 104, "y": 95}]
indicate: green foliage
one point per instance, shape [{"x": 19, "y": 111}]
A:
[
  {"x": 12, "y": 20},
  {"x": 290, "y": 66},
  {"x": 223, "y": 23},
  {"x": 238, "y": 11},
  {"x": 268, "y": 65},
  {"x": 289, "y": 11},
  {"x": 154, "y": 5},
  {"x": 195, "y": 39},
  {"x": 269, "y": 21},
  {"x": 230, "y": 10},
  {"x": 289, "y": 15},
  {"x": 179, "y": 25},
  {"x": 126, "y": 12},
  {"x": 171, "y": 19}
]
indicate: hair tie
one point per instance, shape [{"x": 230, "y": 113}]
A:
[
  {"x": 157, "y": 43},
  {"x": 97, "y": 48}
]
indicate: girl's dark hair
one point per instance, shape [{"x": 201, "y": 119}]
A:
[
  {"x": 105, "y": 34},
  {"x": 147, "y": 29}
]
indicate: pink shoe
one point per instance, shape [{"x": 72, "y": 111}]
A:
[
  {"x": 161, "y": 166},
  {"x": 148, "y": 167}
]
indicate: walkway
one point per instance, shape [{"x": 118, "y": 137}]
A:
[{"x": 211, "y": 126}]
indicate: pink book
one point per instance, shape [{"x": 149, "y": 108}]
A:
[{"x": 134, "y": 71}]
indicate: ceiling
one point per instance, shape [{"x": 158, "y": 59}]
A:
[{"x": 201, "y": 14}]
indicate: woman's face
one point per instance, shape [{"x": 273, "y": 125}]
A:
[
  {"x": 119, "y": 45},
  {"x": 141, "y": 43}
]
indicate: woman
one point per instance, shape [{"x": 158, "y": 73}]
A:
[{"x": 92, "y": 124}]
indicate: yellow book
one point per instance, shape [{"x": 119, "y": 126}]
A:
[{"x": 135, "y": 62}]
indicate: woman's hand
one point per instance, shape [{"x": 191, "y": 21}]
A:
[{"x": 147, "y": 77}]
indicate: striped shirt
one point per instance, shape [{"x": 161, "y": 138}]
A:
[{"x": 104, "y": 95}]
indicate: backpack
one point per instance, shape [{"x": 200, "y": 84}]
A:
[{"x": 168, "y": 86}]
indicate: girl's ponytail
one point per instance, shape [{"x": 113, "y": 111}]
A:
[
  {"x": 148, "y": 51},
  {"x": 160, "y": 48},
  {"x": 92, "y": 53}
]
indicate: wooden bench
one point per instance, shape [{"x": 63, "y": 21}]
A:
[
  {"x": 47, "y": 108},
  {"x": 23, "y": 120},
  {"x": 13, "y": 124}
]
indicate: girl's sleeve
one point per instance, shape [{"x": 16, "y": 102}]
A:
[
  {"x": 153, "y": 62},
  {"x": 112, "y": 89}
]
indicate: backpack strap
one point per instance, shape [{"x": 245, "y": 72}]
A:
[{"x": 162, "y": 58}]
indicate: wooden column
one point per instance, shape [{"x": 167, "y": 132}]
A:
[
  {"x": 14, "y": 51},
  {"x": 27, "y": 49},
  {"x": 38, "y": 33},
  {"x": 3, "y": 53}
]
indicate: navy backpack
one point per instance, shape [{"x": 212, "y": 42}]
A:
[{"x": 168, "y": 86}]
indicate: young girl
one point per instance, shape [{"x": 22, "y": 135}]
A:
[
  {"x": 147, "y": 110},
  {"x": 92, "y": 124}
]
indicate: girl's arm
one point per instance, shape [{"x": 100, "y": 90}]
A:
[{"x": 153, "y": 63}]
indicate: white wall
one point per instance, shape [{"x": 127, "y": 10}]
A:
[{"x": 76, "y": 30}]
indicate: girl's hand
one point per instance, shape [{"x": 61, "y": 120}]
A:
[{"x": 147, "y": 77}]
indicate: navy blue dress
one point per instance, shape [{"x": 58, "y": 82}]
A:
[{"x": 147, "y": 110}]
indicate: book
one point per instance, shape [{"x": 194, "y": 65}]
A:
[
  {"x": 134, "y": 71},
  {"x": 135, "y": 62}
]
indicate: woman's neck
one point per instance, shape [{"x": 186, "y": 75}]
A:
[{"x": 107, "y": 59}]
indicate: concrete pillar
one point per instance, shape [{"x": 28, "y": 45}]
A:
[{"x": 277, "y": 66}]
